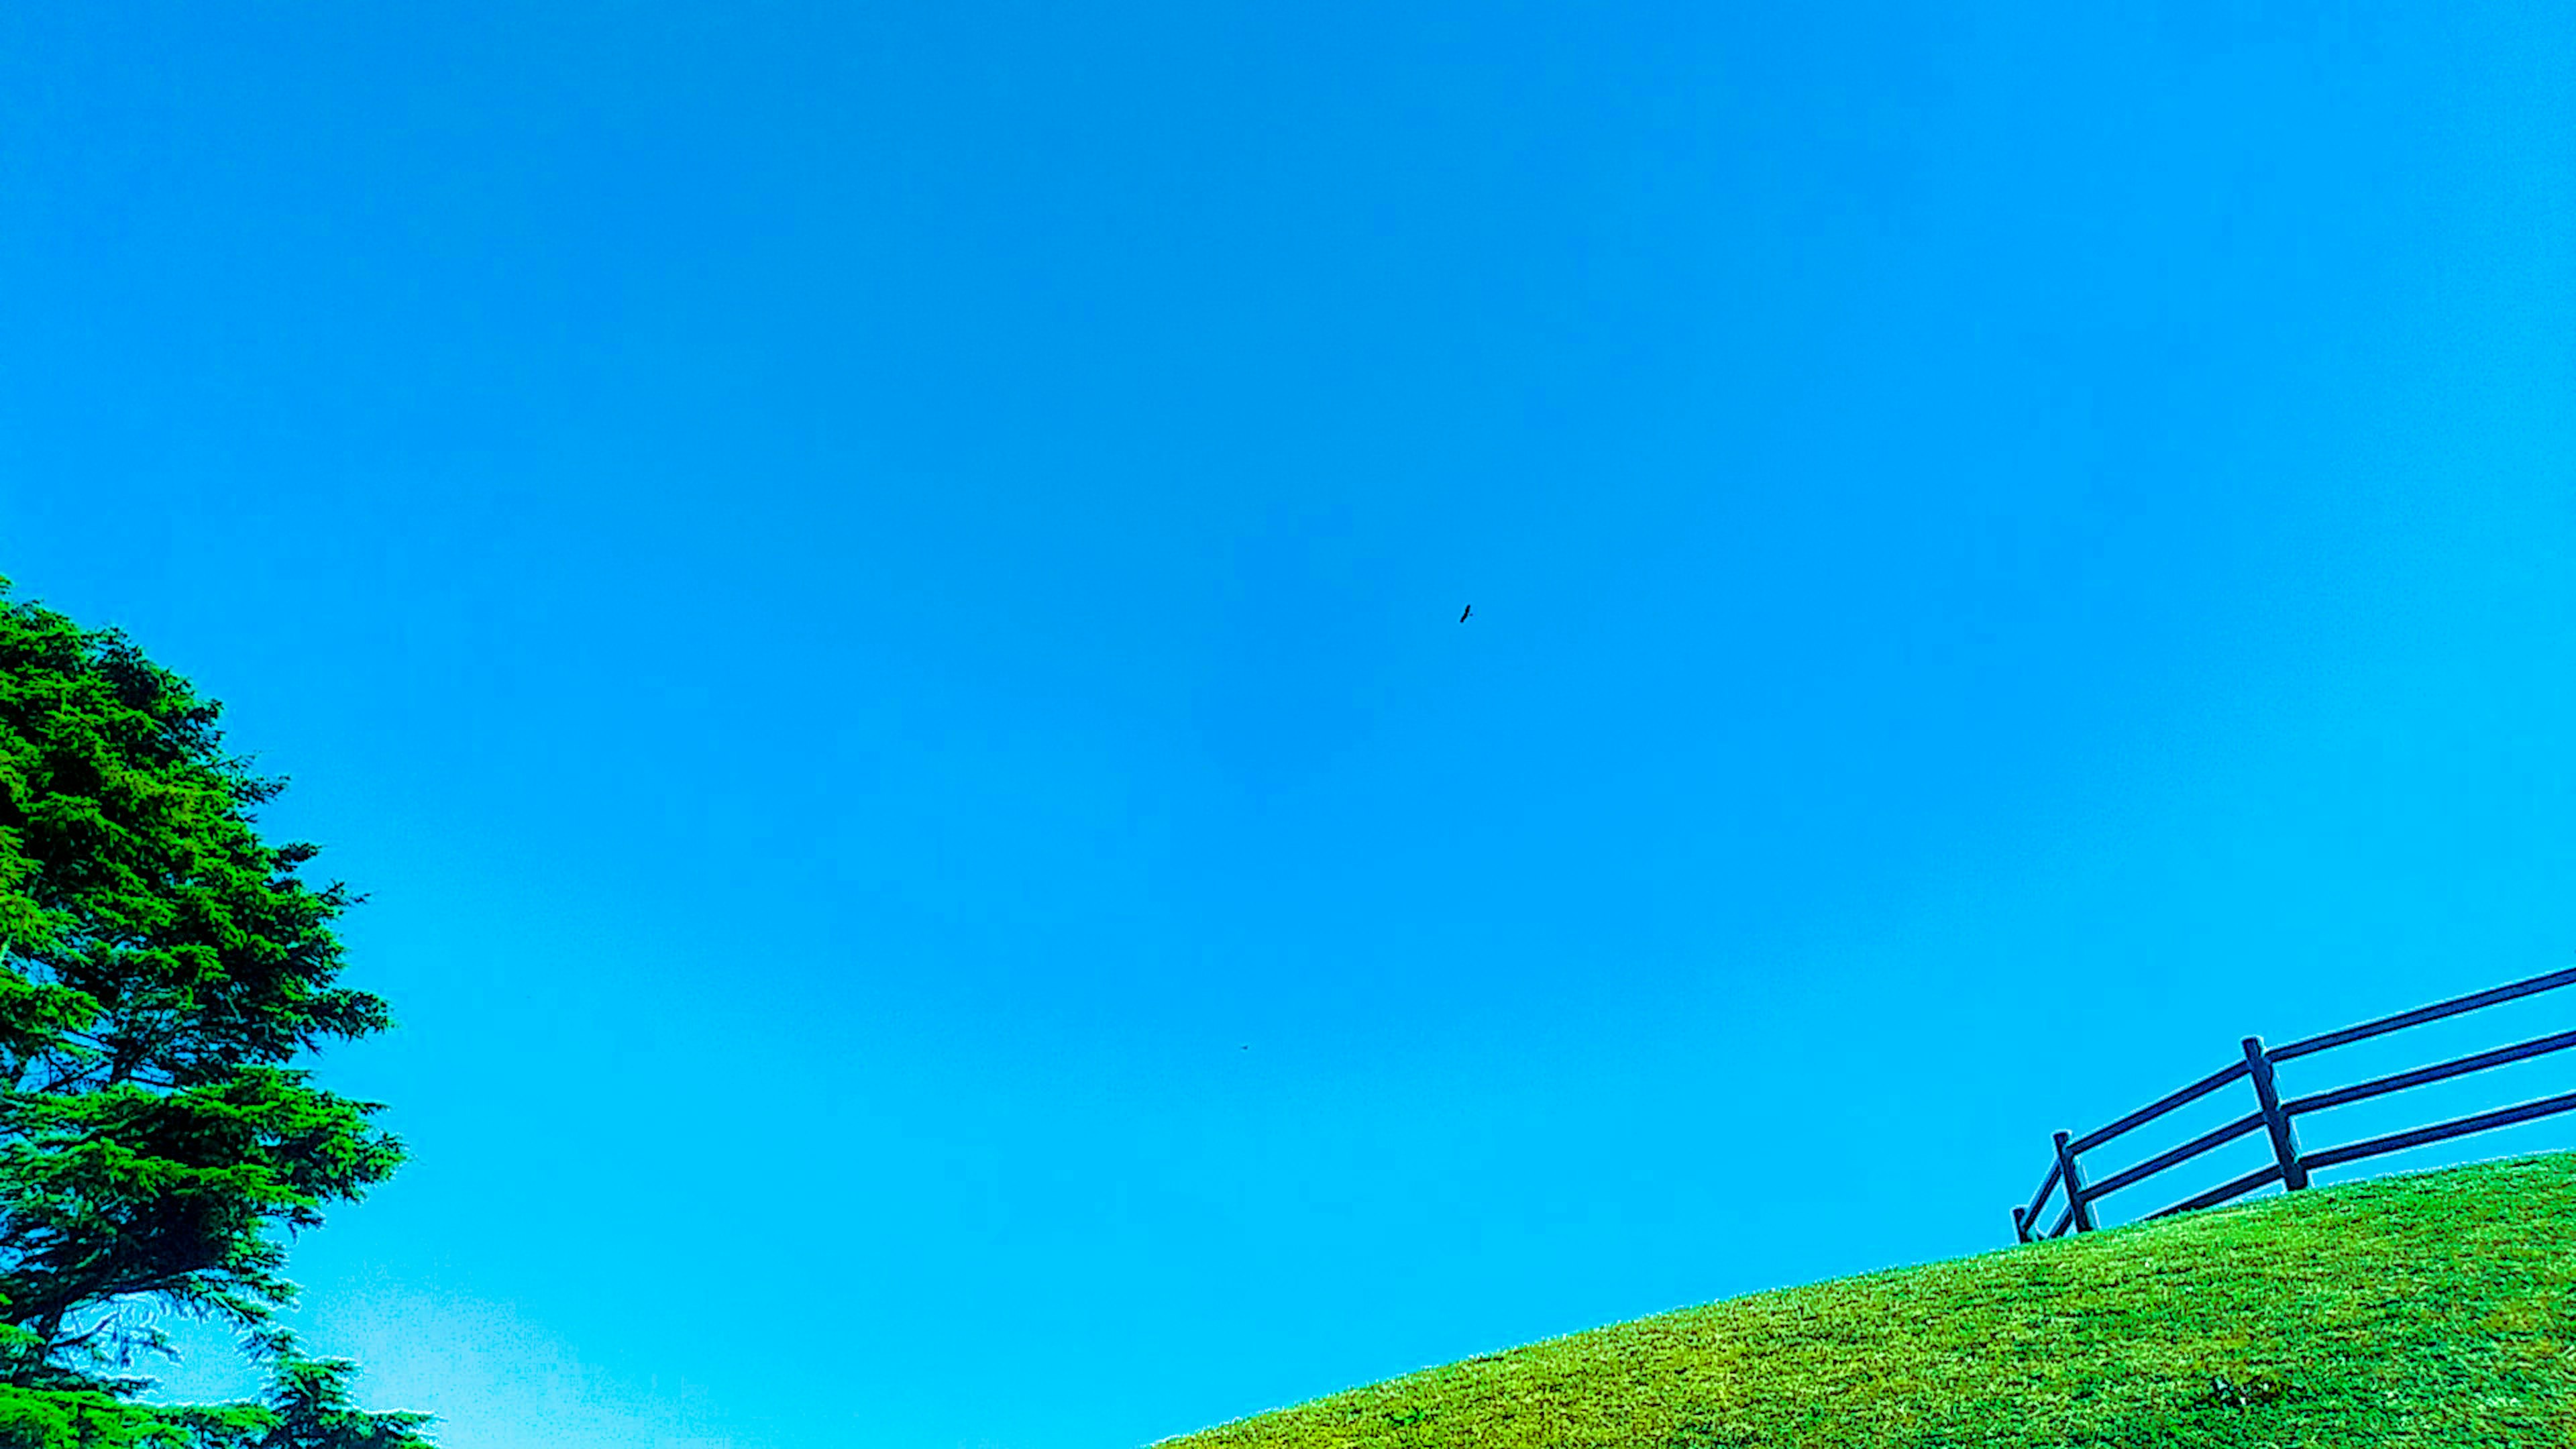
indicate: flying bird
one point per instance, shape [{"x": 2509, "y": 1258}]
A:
[{"x": 1463, "y": 613}]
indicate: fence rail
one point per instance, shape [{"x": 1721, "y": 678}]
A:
[{"x": 2276, "y": 1118}]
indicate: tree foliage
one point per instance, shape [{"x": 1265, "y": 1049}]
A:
[{"x": 160, "y": 967}]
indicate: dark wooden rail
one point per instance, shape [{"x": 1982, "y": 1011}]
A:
[{"x": 2276, "y": 1118}]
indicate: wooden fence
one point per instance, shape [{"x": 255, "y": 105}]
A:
[{"x": 2277, "y": 1118}]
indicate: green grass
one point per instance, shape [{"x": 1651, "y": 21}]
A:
[{"x": 2427, "y": 1309}]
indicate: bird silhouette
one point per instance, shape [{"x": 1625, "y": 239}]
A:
[{"x": 1463, "y": 613}]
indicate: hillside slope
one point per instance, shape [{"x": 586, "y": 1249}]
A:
[{"x": 2428, "y": 1309}]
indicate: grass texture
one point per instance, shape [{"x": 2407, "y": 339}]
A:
[{"x": 2427, "y": 1309}]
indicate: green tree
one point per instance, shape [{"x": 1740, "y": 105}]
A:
[{"x": 160, "y": 966}]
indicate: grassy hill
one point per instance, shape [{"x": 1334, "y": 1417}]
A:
[{"x": 2434, "y": 1308}]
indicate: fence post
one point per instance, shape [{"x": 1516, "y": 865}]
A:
[
  {"x": 2285, "y": 1146},
  {"x": 2074, "y": 1185}
]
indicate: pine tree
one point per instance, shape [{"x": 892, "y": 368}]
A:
[{"x": 160, "y": 967}]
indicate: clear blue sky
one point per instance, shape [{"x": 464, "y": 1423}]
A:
[{"x": 872, "y": 592}]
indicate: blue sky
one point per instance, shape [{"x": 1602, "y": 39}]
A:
[{"x": 872, "y": 593}]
